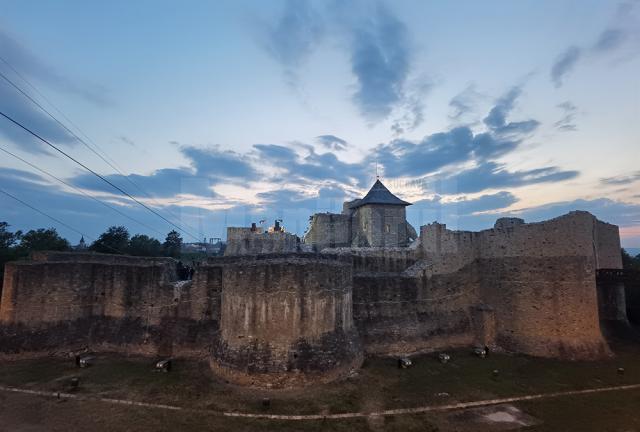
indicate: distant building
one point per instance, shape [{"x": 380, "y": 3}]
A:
[
  {"x": 81, "y": 245},
  {"x": 214, "y": 246},
  {"x": 377, "y": 220}
]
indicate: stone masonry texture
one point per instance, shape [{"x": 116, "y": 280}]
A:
[{"x": 268, "y": 315}]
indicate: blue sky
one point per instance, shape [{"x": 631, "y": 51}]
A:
[{"x": 224, "y": 113}]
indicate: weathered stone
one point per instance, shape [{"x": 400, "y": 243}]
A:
[{"x": 286, "y": 320}]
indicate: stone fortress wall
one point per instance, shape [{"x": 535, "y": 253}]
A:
[
  {"x": 71, "y": 301},
  {"x": 283, "y": 315},
  {"x": 297, "y": 318},
  {"x": 528, "y": 288}
]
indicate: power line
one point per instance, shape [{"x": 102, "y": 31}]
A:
[
  {"x": 95, "y": 173},
  {"x": 113, "y": 165},
  {"x": 55, "y": 219},
  {"x": 81, "y": 191}
]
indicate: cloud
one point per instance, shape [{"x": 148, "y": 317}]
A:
[
  {"x": 467, "y": 206},
  {"x": 609, "y": 39},
  {"x": 464, "y": 102},
  {"x": 28, "y": 64},
  {"x": 464, "y": 213},
  {"x": 91, "y": 218},
  {"x": 380, "y": 61},
  {"x": 332, "y": 142},
  {"x": 162, "y": 183},
  {"x": 567, "y": 122},
  {"x": 215, "y": 163},
  {"x": 481, "y": 213},
  {"x": 496, "y": 120},
  {"x": 22, "y": 110},
  {"x": 615, "y": 212},
  {"x": 294, "y": 36},
  {"x": 210, "y": 166},
  {"x": 621, "y": 180},
  {"x": 332, "y": 197},
  {"x": 411, "y": 109},
  {"x": 564, "y": 64},
  {"x": 491, "y": 175},
  {"x": 314, "y": 166},
  {"x": 616, "y": 35},
  {"x": 405, "y": 158}
]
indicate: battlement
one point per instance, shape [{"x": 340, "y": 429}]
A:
[{"x": 254, "y": 240}]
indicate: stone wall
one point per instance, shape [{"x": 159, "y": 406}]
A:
[
  {"x": 366, "y": 226},
  {"x": 544, "y": 306},
  {"x": 380, "y": 226},
  {"x": 286, "y": 320},
  {"x": 244, "y": 241},
  {"x": 528, "y": 288},
  {"x": 377, "y": 260},
  {"x": 103, "y": 302},
  {"x": 396, "y": 314},
  {"x": 575, "y": 234},
  {"x": 329, "y": 230}
]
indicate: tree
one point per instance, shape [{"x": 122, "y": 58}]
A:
[
  {"x": 43, "y": 239},
  {"x": 7, "y": 239},
  {"x": 629, "y": 262},
  {"x": 7, "y": 250},
  {"x": 142, "y": 245},
  {"x": 114, "y": 240},
  {"x": 173, "y": 244}
]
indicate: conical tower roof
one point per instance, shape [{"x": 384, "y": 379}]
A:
[{"x": 379, "y": 194}]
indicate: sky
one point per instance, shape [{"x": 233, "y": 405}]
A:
[{"x": 216, "y": 114}]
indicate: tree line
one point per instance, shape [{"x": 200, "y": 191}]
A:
[
  {"x": 115, "y": 240},
  {"x": 630, "y": 262}
]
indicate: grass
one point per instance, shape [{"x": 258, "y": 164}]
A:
[{"x": 378, "y": 385}]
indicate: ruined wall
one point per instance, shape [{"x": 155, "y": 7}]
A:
[
  {"x": 329, "y": 230},
  {"x": 243, "y": 241},
  {"x": 286, "y": 320},
  {"x": 61, "y": 302},
  {"x": 574, "y": 234},
  {"x": 539, "y": 278}
]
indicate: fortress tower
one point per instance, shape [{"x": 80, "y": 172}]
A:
[{"x": 377, "y": 220}]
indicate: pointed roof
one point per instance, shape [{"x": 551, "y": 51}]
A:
[{"x": 379, "y": 194}]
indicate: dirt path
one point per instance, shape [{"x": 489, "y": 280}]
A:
[{"x": 351, "y": 415}]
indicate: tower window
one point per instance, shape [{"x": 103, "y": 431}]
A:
[
  {"x": 365, "y": 226},
  {"x": 387, "y": 228}
]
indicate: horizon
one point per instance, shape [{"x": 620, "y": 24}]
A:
[{"x": 222, "y": 114}]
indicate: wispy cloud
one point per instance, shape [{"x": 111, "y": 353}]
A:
[
  {"x": 332, "y": 142},
  {"x": 567, "y": 121},
  {"x": 496, "y": 120},
  {"x": 622, "y": 179},
  {"x": 611, "y": 39},
  {"x": 314, "y": 166},
  {"x": 491, "y": 175},
  {"x": 464, "y": 102},
  {"x": 21, "y": 58},
  {"x": 294, "y": 36},
  {"x": 380, "y": 61},
  {"x": 22, "y": 110},
  {"x": 564, "y": 64}
]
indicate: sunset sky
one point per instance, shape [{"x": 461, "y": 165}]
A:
[{"x": 223, "y": 113}]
